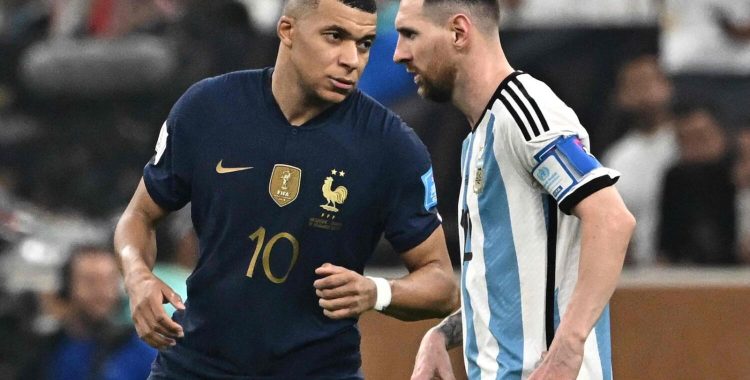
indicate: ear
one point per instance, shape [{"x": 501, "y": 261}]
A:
[
  {"x": 285, "y": 30},
  {"x": 461, "y": 27}
]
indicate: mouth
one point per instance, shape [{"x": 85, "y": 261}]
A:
[{"x": 342, "y": 83}]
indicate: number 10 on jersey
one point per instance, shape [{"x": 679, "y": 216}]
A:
[{"x": 259, "y": 237}]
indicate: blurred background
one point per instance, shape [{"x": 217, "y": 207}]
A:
[{"x": 662, "y": 86}]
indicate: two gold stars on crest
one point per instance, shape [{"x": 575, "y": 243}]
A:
[{"x": 340, "y": 173}]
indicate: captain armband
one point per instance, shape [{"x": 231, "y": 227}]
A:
[{"x": 562, "y": 165}]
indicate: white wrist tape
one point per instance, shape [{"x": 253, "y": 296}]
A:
[{"x": 383, "y": 290}]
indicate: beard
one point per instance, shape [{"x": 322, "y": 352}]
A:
[{"x": 440, "y": 87}]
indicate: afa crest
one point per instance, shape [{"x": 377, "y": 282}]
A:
[{"x": 284, "y": 184}]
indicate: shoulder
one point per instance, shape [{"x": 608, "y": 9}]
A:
[
  {"x": 216, "y": 90},
  {"x": 372, "y": 113},
  {"x": 395, "y": 140},
  {"x": 530, "y": 108}
]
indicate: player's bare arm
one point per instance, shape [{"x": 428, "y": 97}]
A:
[
  {"x": 432, "y": 360},
  {"x": 428, "y": 291},
  {"x": 606, "y": 228},
  {"x": 135, "y": 244}
]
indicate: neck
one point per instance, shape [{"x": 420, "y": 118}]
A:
[
  {"x": 479, "y": 75},
  {"x": 298, "y": 105}
]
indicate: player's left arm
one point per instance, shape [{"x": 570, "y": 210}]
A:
[
  {"x": 428, "y": 291},
  {"x": 606, "y": 228}
]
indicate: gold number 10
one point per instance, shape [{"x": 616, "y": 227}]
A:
[{"x": 260, "y": 235}]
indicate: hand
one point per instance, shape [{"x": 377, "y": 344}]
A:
[
  {"x": 432, "y": 360},
  {"x": 147, "y": 294},
  {"x": 343, "y": 293},
  {"x": 562, "y": 362}
]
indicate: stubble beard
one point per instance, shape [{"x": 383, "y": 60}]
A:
[{"x": 440, "y": 89}]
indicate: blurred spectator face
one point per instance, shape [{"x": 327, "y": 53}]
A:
[
  {"x": 94, "y": 286},
  {"x": 742, "y": 167},
  {"x": 424, "y": 48},
  {"x": 642, "y": 87},
  {"x": 701, "y": 138},
  {"x": 330, "y": 47}
]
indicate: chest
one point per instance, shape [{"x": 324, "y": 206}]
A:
[{"x": 318, "y": 176}]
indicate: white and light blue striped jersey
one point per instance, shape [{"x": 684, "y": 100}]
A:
[{"x": 524, "y": 159}]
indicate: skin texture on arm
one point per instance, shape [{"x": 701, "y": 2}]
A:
[
  {"x": 432, "y": 360},
  {"x": 135, "y": 244},
  {"x": 606, "y": 228},
  {"x": 428, "y": 291}
]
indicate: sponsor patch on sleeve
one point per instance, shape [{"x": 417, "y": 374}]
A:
[
  {"x": 161, "y": 143},
  {"x": 430, "y": 191},
  {"x": 553, "y": 176}
]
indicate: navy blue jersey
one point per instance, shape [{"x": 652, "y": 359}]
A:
[{"x": 270, "y": 203}]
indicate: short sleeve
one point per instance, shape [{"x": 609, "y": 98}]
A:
[
  {"x": 168, "y": 175},
  {"x": 412, "y": 208},
  {"x": 557, "y": 155}
]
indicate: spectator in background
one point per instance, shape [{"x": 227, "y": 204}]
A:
[
  {"x": 742, "y": 181},
  {"x": 399, "y": 83},
  {"x": 90, "y": 345},
  {"x": 698, "y": 201},
  {"x": 646, "y": 151},
  {"x": 705, "y": 47}
]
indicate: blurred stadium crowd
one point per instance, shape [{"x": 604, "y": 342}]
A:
[{"x": 663, "y": 87}]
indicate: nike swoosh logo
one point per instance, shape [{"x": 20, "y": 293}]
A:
[{"x": 222, "y": 170}]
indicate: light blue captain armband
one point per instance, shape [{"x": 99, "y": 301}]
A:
[
  {"x": 430, "y": 191},
  {"x": 562, "y": 164}
]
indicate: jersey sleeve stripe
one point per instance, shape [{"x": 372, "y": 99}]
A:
[
  {"x": 584, "y": 191},
  {"x": 524, "y": 109},
  {"x": 549, "y": 302},
  {"x": 515, "y": 116},
  {"x": 533, "y": 103}
]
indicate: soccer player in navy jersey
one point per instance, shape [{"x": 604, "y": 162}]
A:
[
  {"x": 543, "y": 230},
  {"x": 292, "y": 175}
]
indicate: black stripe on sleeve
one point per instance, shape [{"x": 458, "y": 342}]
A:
[
  {"x": 584, "y": 191},
  {"x": 533, "y": 103},
  {"x": 549, "y": 306},
  {"x": 525, "y": 110},
  {"x": 515, "y": 117}
]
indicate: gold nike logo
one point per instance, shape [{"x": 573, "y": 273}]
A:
[{"x": 222, "y": 170}]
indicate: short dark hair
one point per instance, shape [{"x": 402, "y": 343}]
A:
[
  {"x": 486, "y": 11},
  {"x": 369, "y": 6},
  {"x": 66, "y": 270}
]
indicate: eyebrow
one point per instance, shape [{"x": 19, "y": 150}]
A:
[
  {"x": 346, "y": 34},
  {"x": 406, "y": 30}
]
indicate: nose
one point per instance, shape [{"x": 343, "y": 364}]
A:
[
  {"x": 400, "y": 55},
  {"x": 349, "y": 56}
]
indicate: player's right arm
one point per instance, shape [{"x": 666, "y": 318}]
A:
[
  {"x": 432, "y": 360},
  {"x": 135, "y": 244}
]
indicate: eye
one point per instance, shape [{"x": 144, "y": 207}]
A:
[
  {"x": 408, "y": 34},
  {"x": 333, "y": 36},
  {"x": 365, "y": 45}
]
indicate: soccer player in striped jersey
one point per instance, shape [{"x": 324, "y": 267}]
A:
[{"x": 543, "y": 232}]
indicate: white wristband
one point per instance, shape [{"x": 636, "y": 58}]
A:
[{"x": 383, "y": 291}]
